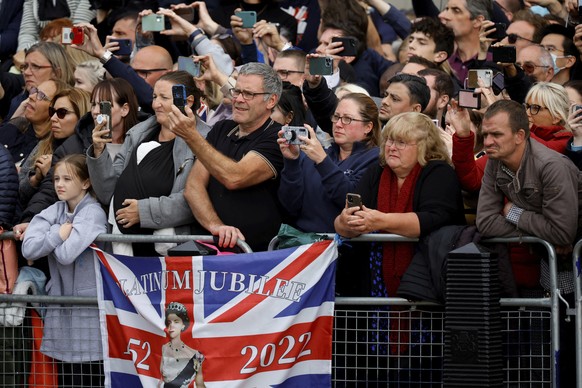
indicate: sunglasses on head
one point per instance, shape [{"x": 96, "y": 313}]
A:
[{"x": 61, "y": 112}]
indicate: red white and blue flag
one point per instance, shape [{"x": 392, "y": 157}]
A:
[{"x": 260, "y": 319}]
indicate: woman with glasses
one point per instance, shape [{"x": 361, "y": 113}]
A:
[
  {"x": 314, "y": 181},
  {"x": 412, "y": 192},
  {"x": 144, "y": 184}
]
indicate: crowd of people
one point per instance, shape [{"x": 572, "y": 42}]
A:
[{"x": 206, "y": 125}]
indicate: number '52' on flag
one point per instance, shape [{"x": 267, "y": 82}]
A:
[{"x": 247, "y": 320}]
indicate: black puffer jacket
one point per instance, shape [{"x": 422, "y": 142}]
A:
[{"x": 8, "y": 188}]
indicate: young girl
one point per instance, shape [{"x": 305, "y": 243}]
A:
[
  {"x": 180, "y": 363},
  {"x": 63, "y": 232}
]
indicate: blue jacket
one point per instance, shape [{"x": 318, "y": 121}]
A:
[
  {"x": 11, "y": 12},
  {"x": 8, "y": 188},
  {"x": 369, "y": 67},
  {"x": 315, "y": 194}
]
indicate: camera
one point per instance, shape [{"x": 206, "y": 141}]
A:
[
  {"x": 486, "y": 75},
  {"x": 153, "y": 22},
  {"x": 249, "y": 18},
  {"x": 469, "y": 99},
  {"x": 291, "y": 134},
  {"x": 349, "y": 43},
  {"x": 321, "y": 65},
  {"x": 73, "y": 35}
]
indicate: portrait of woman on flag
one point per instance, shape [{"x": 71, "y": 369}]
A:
[{"x": 180, "y": 363}]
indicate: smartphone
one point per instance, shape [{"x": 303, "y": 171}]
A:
[
  {"x": 350, "y": 45},
  {"x": 105, "y": 114},
  {"x": 187, "y": 64},
  {"x": 189, "y": 14},
  {"x": 249, "y": 18},
  {"x": 125, "y": 46},
  {"x": 179, "y": 97},
  {"x": 576, "y": 108},
  {"x": 153, "y": 22},
  {"x": 500, "y": 31},
  {"x": 354, "y": 200},
  {"x": 486, "y": 75},
  {"x": 504, "y": 54},
  {"x": 321, "y": 65},
  {"x": 436, "y": 123},
  {"x": 498, "y": 83},
  {"x": 469, "y": 99},
  {"x": 73, "y": 35}
]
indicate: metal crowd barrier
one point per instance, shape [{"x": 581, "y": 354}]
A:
[
  {"x": 577, "y": 265},
  {"x": 525, "y": 319},
  {"x": 528, "y": 323}
]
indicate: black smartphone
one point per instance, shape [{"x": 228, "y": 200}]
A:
[
  {"x": 500, "y": 31},
  {"x": 249, "y": 18},
  {"x": 125, "y": 46},
  {"x": 576, "y": 108},
  {"x": 350, "y": 45},
  {"x": 498, "y": 83},
  {"x": 190, "y": 14},
  {"x": 321, "y": 65},
  {"x": 187, "y": 64},
  {"x": 354, "y": 200},
  {"x": 469, "y": 99},
  {"x": 179, "y": 97},
  {"x": 105, "y": 115},
  {"x": 504, "y": 54}
]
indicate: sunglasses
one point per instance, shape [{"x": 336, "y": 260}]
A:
[
  {"x": 512, "y": 38},
  {"x": 61, "y": 112},
  {"x": 529, "y": 67}
]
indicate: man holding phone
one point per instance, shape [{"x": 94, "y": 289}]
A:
[{"x": 232, "y": 189}]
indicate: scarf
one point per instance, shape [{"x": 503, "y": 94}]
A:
[{"x": 396, "y": 256}]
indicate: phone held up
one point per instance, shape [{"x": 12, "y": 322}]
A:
[
  {"x": 349, "y": 43},
  {"x": 72, "y": 35},
  {"x": 124, "y": 45},
  {"x": 153, "y": 22},
  {"x": 354, "y": 200},
  {"x": 485, "y": 75},
  {"x": 105, "y": 116},
  {"x": 469, "y": 99},
  {"x": 249, "y": 18},
  {"x": 187, "y": 64},
  {"x": 292, "y": 133},
  {"x": 179, "y": 97},
  {"x": 321, "y": 65}
]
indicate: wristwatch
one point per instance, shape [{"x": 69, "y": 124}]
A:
[{"x": 106, "y": 57}]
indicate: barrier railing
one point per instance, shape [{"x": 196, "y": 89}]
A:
[
  {"x": 551, "y": 302},
  {"x": 421, "y": 312},
  {"x": 577, "y": 265}
]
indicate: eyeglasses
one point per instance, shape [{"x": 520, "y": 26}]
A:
[
  {"x": 399, "y": 144},
  {"x": 345, "y": 119},
  {"x": 40, "y": 95},
  {"x": 285, "y": 73},
  {"x": 534, "y": 109},
  {"x": 144, "y": 73},
  {"x": 530, "y": 67},
  {"x": 34, "y": 68},
  {"x": 512, "y": 38},
  {"x": 61, "y": 112},
  {"x": 234, "y": 93}
]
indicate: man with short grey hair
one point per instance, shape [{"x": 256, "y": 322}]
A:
[
  {"x": 536, "y": 62},
  {"x": 232, "y": 189}
]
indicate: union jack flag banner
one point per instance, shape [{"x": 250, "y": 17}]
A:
[{"x": 248, "y": 320}]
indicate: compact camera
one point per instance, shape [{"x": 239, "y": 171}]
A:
[
  {"x": 291, "y": 134},
  {"x": 72, "y": 35}
]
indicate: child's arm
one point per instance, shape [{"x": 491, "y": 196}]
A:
[
  {"x": 42, "y": 235},
  {"x": 87, "y": 224}
]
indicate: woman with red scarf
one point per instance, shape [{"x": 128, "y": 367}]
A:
[{"x": 413, "y": 192}]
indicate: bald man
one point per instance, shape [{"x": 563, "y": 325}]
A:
[
  {"x": 151, "y": 62},
  {"x": 536, "y": 62}
]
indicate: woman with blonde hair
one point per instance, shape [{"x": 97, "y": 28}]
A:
[{"x": 412, "y": 192}]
